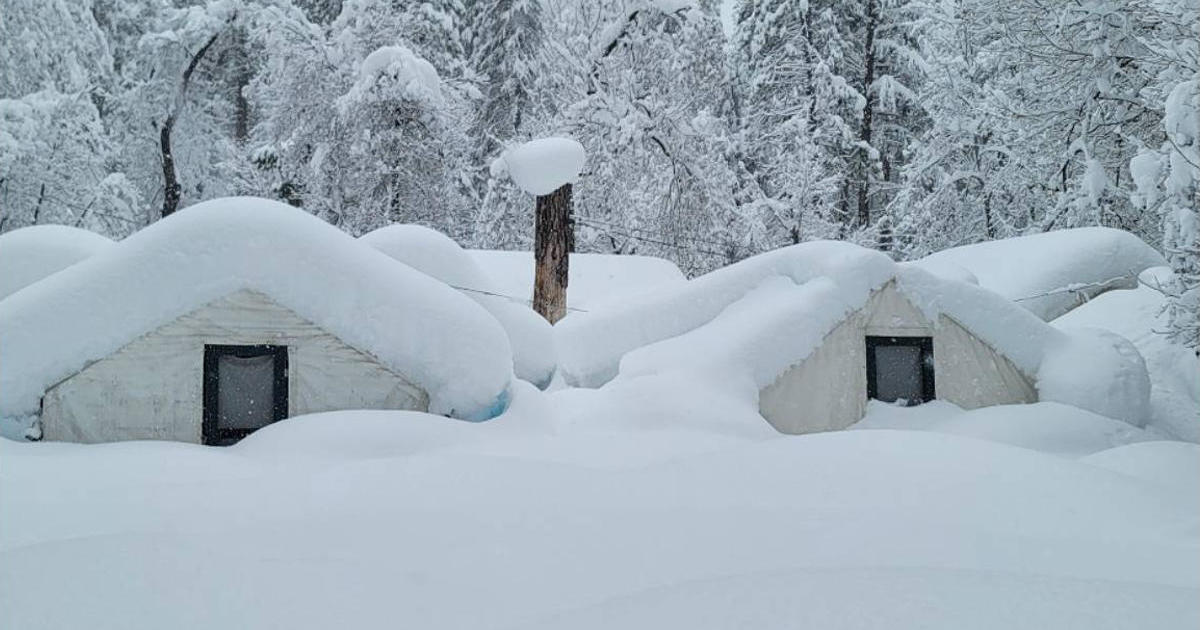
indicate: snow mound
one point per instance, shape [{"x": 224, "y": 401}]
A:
[
  {"x": 396, "y": 72},
  {"x": 1097, "y": 370},
  {"x": 661, "y": 402},
  {"x": 594, "y": 279},
  {"x": 1053, "y": 272},
  {"x": 1139, "y": 315},
  {"x": 31, "y": 253},
  {"x": 1172, "y": 464},
  {"x": 357, "y": 434},
  {"x": 417, "y": 326},
  {"x": 1048, "y": 427},
  {"x": 438, "y": 256},
  {"x": 539, "y": 167},
  {"x": 882, "y": 415}
]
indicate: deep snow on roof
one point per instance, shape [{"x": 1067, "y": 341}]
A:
[
  {"x": 1038, "y": 270},
  {"x": 411, "y": 323},
  {"x": 593, "y": 279},
  {"x": 591, "y": 344},
  {"x": 439, "y": 257},
  {"x": 31, "y": 253}
]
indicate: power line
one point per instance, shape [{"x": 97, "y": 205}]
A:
[
  {"x": 658, "y": 242},
  {"x": 510, "y": 297},
  {"x": 594, "y": 222}
]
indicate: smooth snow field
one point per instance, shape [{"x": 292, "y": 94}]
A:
[{"x": 603, "y": 509}]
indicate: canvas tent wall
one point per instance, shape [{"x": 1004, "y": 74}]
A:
[
  {"x": 153, "y": 387},
  {"x": 828, "y": 390},
  {"x": 362, "y": 330}
]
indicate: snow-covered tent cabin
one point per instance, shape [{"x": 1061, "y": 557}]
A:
[
  {"x": 31, "y": 253},
  {"x": 438, "y": 256},
  {"x": 232, "y": 314},
  {"x": 1050, "y": 273},
  {"x": 812, "y": 332}
]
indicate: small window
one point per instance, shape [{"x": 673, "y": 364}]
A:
[
  {"x": 900, "y": 369},
  {"x": 245, "y": 389}
]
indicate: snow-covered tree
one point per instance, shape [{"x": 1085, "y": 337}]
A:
[
  {"x": 358, "y": 132},
  {"x": 506, "y": 40},
  {"x": 658, "y": 179},
  {"x": 55, "y": 166},
  {"x": 51, "y": 44}
]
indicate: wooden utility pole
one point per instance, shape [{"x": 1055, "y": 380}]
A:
[{"x": 553, "y": 241}]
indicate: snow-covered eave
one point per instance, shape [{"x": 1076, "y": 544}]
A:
[
  {"x": 592, "y": 344},
  {"x": 1013, "y": 332}
]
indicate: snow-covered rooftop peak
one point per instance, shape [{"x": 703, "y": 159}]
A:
[{"x": 539, "y": 167}]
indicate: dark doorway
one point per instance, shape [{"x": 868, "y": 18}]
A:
[
  {"x": 900, "y": 369},
  {"x": 245, "y": 389}
]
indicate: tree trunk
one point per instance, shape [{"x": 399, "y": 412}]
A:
[
  {"x": 553, "y": 240},
  {"x": 242, "y": 78},
  {"x": 171, "y": 187},
  {"x": 864, "y": 186},
  {"x": 172, "y": 191}
]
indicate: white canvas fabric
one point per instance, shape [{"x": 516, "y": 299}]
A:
[{"x": 153, "y": 387}]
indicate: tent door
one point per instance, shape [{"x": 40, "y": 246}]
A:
[
  {"x": 245, "y": 389},
  {"x": 900, "y": 369}
]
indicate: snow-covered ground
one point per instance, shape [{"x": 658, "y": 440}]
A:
[{"x": 606, "y": 509}]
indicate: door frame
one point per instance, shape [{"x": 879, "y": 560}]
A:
[
  {"x": 211, "y": 431},
  {"x": 928, "y": 389}
]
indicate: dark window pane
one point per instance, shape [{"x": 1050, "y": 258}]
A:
[
  {"x": 898, "y": 373},
  {"x": 245, "y": 391}
]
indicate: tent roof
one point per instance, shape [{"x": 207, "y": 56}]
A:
[{"x": 1038, "y": 270}]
